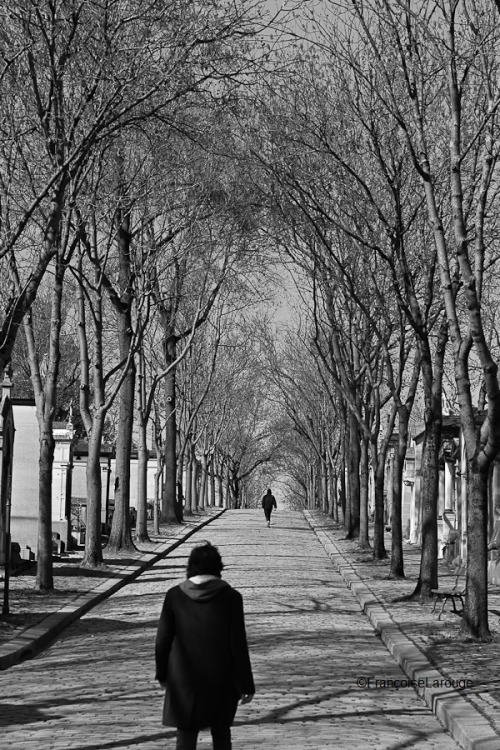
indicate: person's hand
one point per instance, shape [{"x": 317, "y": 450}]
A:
[{"x": 246, "y": 697}]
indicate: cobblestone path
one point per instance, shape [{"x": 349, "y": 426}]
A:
[{"x": 316, "y": 660}]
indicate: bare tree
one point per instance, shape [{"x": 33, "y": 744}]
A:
[
  {"x": 457, "y": 180},
  {"x": 44, "y": 375}
]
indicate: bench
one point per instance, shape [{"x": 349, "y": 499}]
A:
[{"x": 452, "y": 594}]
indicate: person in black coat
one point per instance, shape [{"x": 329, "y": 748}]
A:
[
  {"x": 268, "y": 503},
  {"x": 202, "y": 657}
]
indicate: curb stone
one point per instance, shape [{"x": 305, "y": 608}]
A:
[
  {"x": 38, "y": 637},
  {"x": 462, "y": 720}
]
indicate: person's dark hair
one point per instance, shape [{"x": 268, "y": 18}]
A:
[{"x": 204, "y": 559}]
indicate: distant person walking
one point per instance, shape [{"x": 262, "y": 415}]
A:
[
  {"x": 202, "y": 657},
  {"x": 268, "y": 503}
]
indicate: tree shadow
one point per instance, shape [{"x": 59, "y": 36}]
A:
[
  {"x": 371, "y": 717},
  {"x": 76, "y": 571},
  {"x": 13, "y": 713},
  {"x": 99, "y": 625},
  {"x": 129, "y": 741}
]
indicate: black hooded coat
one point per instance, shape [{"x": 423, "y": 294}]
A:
[{"x": 202, "y": 654}]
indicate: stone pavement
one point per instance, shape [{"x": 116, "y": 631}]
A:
[
  {"x": 324, "y": 678},
  {"x": 37, "y": 617}
]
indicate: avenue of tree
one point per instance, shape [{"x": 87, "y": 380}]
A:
[{"x": 166, "y": 167}]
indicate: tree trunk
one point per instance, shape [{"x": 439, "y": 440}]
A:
[
  {"x": 93, "y": 545},
  {"x": 475, "y": 620},
  {"x": 324, "y": 486},
  {"x": 179, "y": 508},
  {"x": 141, "y": 528},
  {"x": 203, "y": 482},
  {"x": 428, "y": 577},
  {"x": 397, "y": 562},
  {"x": 404, "y": 411},
  {"x": 227, "y": 494},
  {"x": 169, "y": 509},
  {"x": 189, "y": 504},
  {"x": 234, "y": 487},
  {"x": 158, "y": 489},
  {"x": 432, "y": 386},
  {"x": 220, "y": 485},
  {"x": 312, "y": 487},
  {"x": 379, "y": 551},
  {"x": 343, "y": 487},
  {"x": 44, "y": 569},
  {"x": 156, "y": 502},
  {"x": 212, "y": 482},
  {"x": 334, "y": 496},
  {"x": 352, "y": 501},
  {"x": 194, "y": 481},
  {"x": 120, "y": 537},
  {"x": 364, "y": 539},
  {"x": 45, "y": 399},
  {"x": 181, "y": 459}
]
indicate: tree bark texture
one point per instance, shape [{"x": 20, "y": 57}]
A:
[
  {"x": 397, "y": 560},
  {"x": 188, "y": 499},
  {"x": 475, "y": 619},
  {"x": 45, "y": 389},
  {"x": 44, "y": 569},
  {"x": 212, "y": 483},
  {"x": 432, "y": 378},
  {"x": 203, "y": 482},
  {"x": 428, "y": 576},
  {"x": 334, "y": 484},
  {"x": 364, "y": 539},
  {"x": 379, "y": 551},
  {"x": 352, "y": 500},
  {"x": 93, "y": 543},
  {"x": 120, "y": 537},
  {"x": 220, "y": 484},
  {"x": 169, "y": 509},
  {"x": 195, "y": 465},
  {"x": 141, "y": 528}
]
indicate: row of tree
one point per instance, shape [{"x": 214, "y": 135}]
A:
[
  {"x": 378, "y": 148},
  {"x": 155, "y": 159},
  {"x": 119, "y": 206}
]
